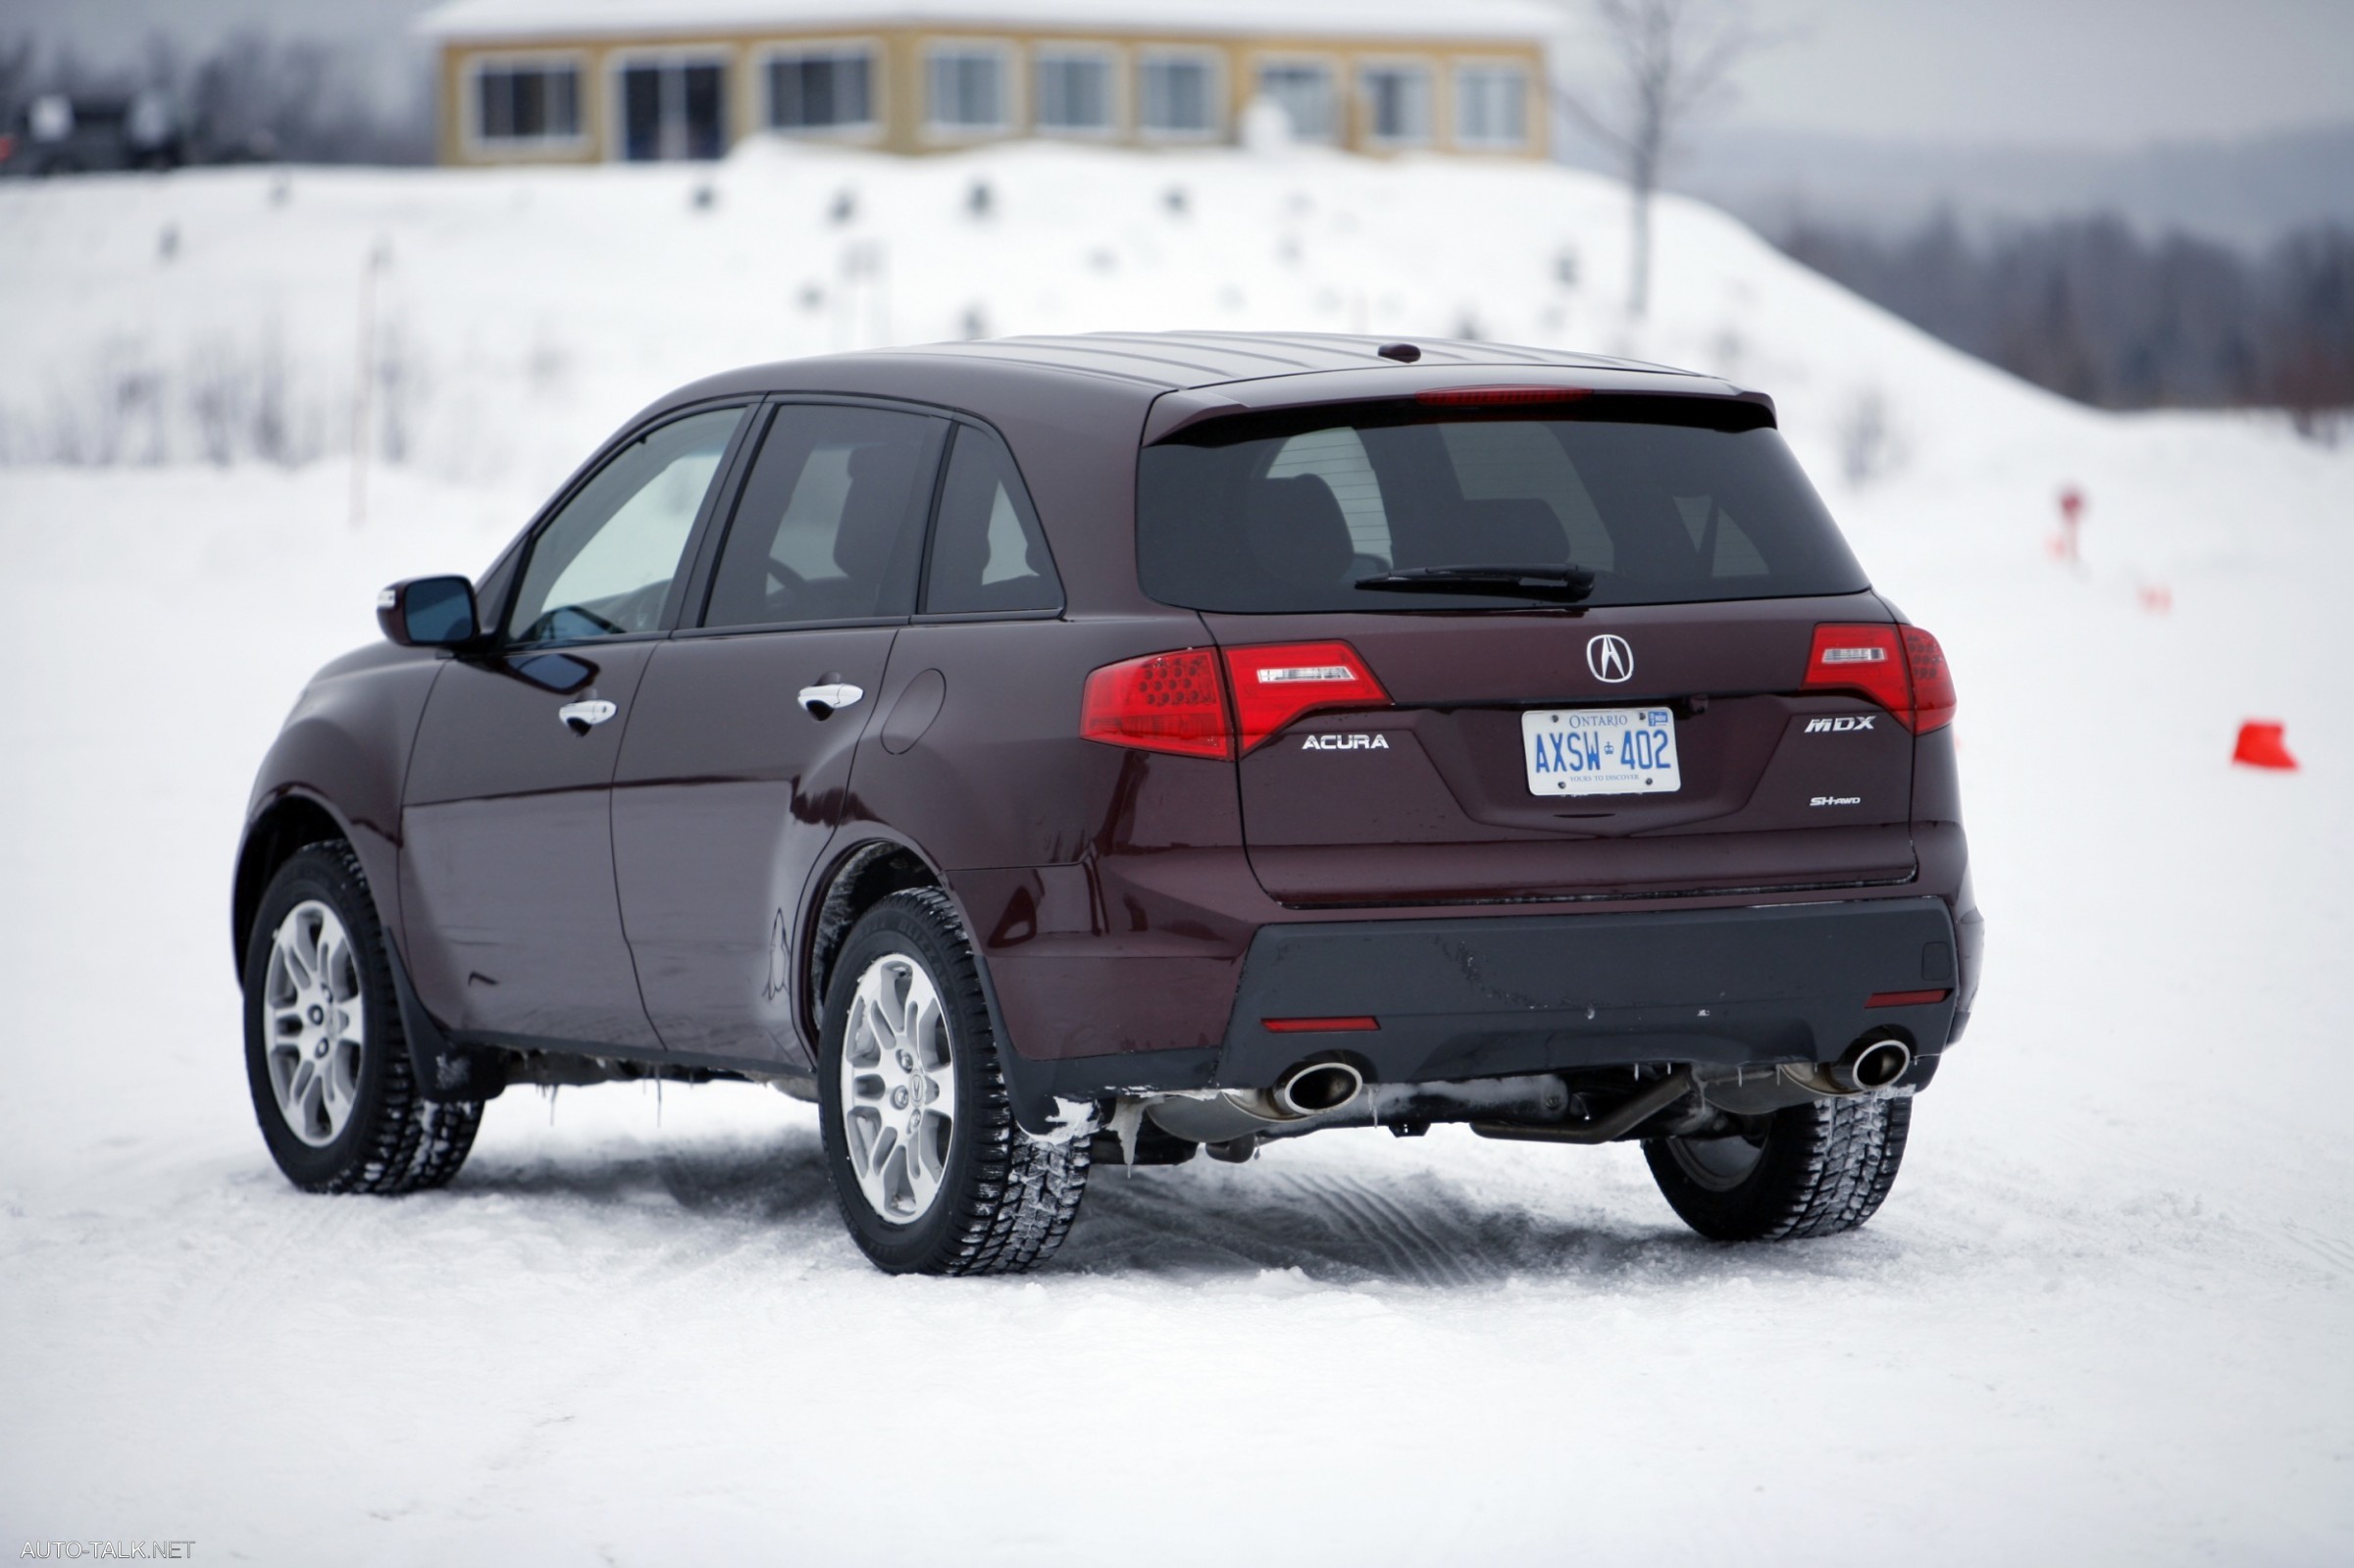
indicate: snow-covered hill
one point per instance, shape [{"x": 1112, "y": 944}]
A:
[{"x": 2102, "y": 1319}]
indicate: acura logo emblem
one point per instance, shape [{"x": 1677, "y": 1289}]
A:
[{"x": 1609, "y": 658}]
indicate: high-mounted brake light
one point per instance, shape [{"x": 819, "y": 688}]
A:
[
  {"x": 1900, "y": 668},
  {"x": 1175, "y": 702},
  {"x": 1278, "y": 682},
  {"x": 1499, "y": 396}
]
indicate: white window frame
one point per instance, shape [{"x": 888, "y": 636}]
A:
[
  {"x": 618, "y": 65},
  {"x": 1396, "y": 65},
  {"x": 1116, "y": 99},
  {"x": 470, "y": 113},
  {"x": 1458, "y": 100},
  {"x": 878, "y": 112},
  {"x": 1221, "y": 115},
  {"x": 1337, "y": 133},
  {"x": 1009, "y": 79}
]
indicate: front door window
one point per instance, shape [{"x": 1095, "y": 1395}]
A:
[{"x": 602, "y": 567}]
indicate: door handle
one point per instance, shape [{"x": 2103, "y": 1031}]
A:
[
  {"x": 582, "y": 717},
  {"x": 822, "y": 701}
]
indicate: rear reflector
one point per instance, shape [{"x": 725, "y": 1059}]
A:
[
  {"x": 1905, "y": 998},
  {"x": 1899, "y": 667},
  {"x": 1318, "y": 1026},
  {"x": 1499, "y": 396}
]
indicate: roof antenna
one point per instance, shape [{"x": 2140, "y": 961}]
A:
[{"x": 1403, "y": 353}]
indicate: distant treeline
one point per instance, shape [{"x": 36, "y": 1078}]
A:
[
  {"x": 2089, "y": 308},
  {"x": 252, "y": 96}
]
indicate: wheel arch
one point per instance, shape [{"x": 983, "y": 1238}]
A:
[{"x": 273, "y": 836}]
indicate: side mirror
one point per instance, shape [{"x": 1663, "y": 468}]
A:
[{"x": 428, "y": 613}]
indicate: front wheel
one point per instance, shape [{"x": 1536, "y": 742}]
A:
[
  {"x": 931, "y": 1171},
  {"x": 1809, "y": 1170},
  {"x": 324, "y": 1056}
]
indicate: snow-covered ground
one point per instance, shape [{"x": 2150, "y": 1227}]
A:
[{"x": 2107, "y": 1315}]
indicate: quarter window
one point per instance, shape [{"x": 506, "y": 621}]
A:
[
  {"x": 1074, "y": 93},
  {"x": 830, "y": 526},
  {"x": 1304, "y": 94},
  {"x": 1177, "y": 95},
  {"x": 821, "y": 90},
  {"x": 1397, "y": 104},
  {"x": 988, "y": 552},
  {"x": 1491, "y": 106},
  {"x": 528, "y": 103},
  {"x": 603, "y": 565},
  {"x": 968, "y": 89}
]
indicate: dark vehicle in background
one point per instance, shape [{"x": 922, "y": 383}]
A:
[
  {"x": 57, "y": 134},
  {"x": 1047, "y": 751}
]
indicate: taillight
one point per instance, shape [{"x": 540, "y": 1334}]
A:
[
  {"x": 1276, "y": 683},
  {"x": 1174, "y": 701},
  {"x": 1161, "y": 702},
  {"x": 1900, "y": 668}
]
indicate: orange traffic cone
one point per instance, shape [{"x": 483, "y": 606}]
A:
[{"x": 2261, "y": 746}]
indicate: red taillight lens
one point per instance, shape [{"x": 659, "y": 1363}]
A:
[
  {"x": 1276, "y": 683},
  {"x": 1161, "y": 702},
  {"x": 1900, "y": 668},
  {"x": 1933, "y": 699}
]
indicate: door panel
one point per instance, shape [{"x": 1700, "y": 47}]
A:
[
  {"x": 730, "y": 788},
  {"x": 727, "y": 792},
  {"x": 507, "y": 870}
]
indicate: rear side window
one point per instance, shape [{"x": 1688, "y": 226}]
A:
[
  {"x": 1245, "y": 519},
  {"x": 830, "y": 525},
  {"x": 988, "y": 553}
]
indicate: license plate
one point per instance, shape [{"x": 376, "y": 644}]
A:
[{"x": 1600, "y": 751}]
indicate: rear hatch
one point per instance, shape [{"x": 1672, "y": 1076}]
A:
[{"x": 1534, "y": 649}]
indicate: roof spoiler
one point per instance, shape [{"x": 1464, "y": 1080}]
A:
[{"x": 1186, "y": 408}]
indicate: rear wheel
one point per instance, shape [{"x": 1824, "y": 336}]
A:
[
  {"x": 1810, "y": 1170},
  {"x": 324, "y": 1057},
  {"x": 931, "y": 1171}
]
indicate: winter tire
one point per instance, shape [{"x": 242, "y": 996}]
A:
[
  {"x": 324, "y": 1056},
  {"x": 931, "y": 1171},
  {"x": 1811, "y": 1169}
]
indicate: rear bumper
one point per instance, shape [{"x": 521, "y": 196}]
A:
[{"x": 1461, "y": 998}]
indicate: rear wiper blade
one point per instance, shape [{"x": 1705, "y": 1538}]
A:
[{"x": 1567, "y": 584}]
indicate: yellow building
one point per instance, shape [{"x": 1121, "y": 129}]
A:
[{"x": 592, "y": 81}]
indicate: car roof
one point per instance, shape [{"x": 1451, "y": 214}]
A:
[{"x": 1255, "y": 369}]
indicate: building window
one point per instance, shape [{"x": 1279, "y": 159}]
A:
[
  {"x": 528, "y": 102},
  {"x": 1073, "y": 91},
  {"x": 1177, "y": 95},
  {"x": 967, "y": 89},
  {"x": 821, "y": 90},
  {"x": 1397, "y": 104},
  {"x": 673, "y": 109},
  {"x": 1304, "y": 92},
  {"x": 1491, "y": 106}
]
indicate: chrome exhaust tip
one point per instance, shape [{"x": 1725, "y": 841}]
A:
[
  {"x": 1315, "y": 1088},
  {"x": 1870, "y": 1064}
]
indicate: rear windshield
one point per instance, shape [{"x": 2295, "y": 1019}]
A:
[{"x": 1285, "y": 514}]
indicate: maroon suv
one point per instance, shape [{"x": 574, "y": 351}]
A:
[{"x": 1113, "y": 747}]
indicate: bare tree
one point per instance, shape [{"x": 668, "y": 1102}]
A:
[{"x": 1670, "y": 62}]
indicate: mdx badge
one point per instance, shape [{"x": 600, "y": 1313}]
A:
[
  {"x": 1609, "y": 658},
  {"x": 1841, "y": 725}
]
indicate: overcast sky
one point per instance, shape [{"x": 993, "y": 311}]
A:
[{"x": 2089, "y": 73}]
